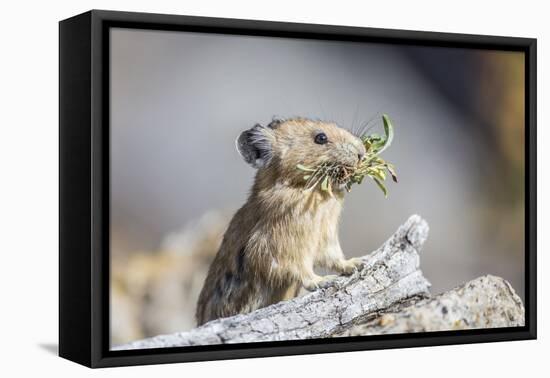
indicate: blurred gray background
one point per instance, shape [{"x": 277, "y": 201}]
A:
[{"x": 179, "y": 100}]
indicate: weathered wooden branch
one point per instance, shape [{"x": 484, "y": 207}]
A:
[
  {"x": 388, "y": 295},
  {"x": 486, "y": 302}
]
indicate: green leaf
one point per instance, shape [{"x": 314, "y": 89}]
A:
[
  {"x": 391, "y": 169},
  {"x": 381, "y": 186},
  {"x": 375, "y": 137},
  {"x": 304, "y": 168},
  {"x": 324, "y": 184},
  {"x": 388, "y": 130},
  {"x": 377, "y": 173}
]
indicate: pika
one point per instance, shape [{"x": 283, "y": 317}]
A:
[{"x": 285, "y": 229}]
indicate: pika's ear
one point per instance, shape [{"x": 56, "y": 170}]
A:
[{"x": 254, "y": 145}]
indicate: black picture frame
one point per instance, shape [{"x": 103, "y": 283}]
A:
[{"x": 84, "y": 187}]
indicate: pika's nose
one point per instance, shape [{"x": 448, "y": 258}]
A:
[{"x": 360, "y": 156}]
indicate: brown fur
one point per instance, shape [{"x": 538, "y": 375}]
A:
[{"x": 282, "y": 232}]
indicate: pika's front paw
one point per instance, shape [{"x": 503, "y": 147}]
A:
[
  {"x": 320, "y": 282},
  {"x": 351, "y": 266}
]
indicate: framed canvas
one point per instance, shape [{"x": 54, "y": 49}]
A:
[{"x": 235, "y": 188}]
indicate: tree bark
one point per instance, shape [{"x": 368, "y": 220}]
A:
[{"x": 388, "y": 295}]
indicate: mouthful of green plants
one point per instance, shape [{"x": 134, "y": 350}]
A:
[{"x": 326, "y": 175}]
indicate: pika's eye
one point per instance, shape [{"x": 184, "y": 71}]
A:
[{"x": 321, "y": 138}]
